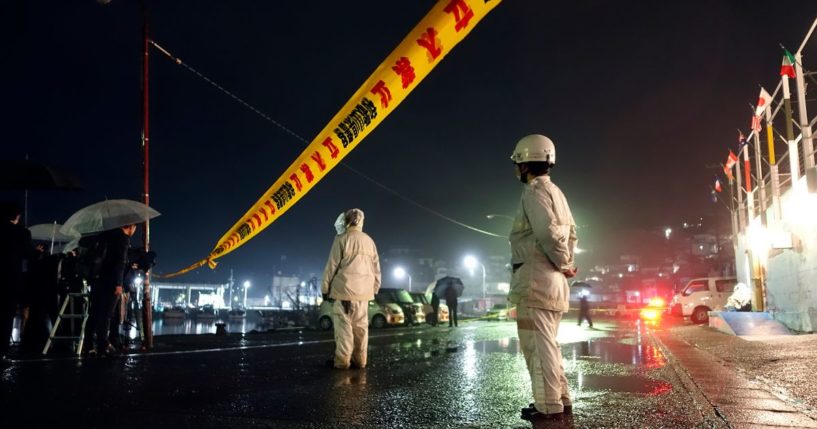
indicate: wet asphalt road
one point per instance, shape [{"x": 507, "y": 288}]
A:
[{"x": 471, "y": 376}]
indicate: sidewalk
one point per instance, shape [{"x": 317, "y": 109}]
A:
[{"x": 757, "y": 382}]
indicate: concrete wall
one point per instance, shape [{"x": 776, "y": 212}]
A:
[{"x": 790, "y": 273}]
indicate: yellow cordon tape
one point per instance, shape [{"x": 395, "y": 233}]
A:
[{"x": 426, "y": 45}]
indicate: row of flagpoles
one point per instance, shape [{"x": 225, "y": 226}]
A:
[{"x": 764, "y": 111}]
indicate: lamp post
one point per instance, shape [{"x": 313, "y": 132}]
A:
[
  {"x": 471, "y": 262},
  {"x": 400, "y": 272},
  {"x": 147, "y": 310},
  {"x": 247, "y": 285}
]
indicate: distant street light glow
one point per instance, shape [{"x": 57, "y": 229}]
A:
[
  {"x": 471, "y": 263},
  {"x": 401, "y": 273}
]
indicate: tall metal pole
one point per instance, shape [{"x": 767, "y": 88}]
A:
[
  {"x": 147, "y": 308},
  {"x": 761, "y": 186},
  {"x": 805, "y": 127},
  {"x": 794, "y": 153},
  {"x": 773, "y": 175}
]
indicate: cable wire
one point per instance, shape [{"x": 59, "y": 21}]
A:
[{"x": 178, "y": 61}]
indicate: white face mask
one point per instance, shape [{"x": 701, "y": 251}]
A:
[{"x": 340, "y": 224}]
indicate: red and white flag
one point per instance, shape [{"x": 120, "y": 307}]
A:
[
  {"x": 718, "y": 185},
  {"x": 731, "y": 160},
  {"x": 764, "y": 101},
  {"x": 755, "y": 124},
  {"x": 787, "y": 67}
]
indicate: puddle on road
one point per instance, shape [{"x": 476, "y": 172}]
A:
[
  {"x": 624, "y": 384},
  {"x": 603, "y": 350},
  {"x": 612, "y": 350}
]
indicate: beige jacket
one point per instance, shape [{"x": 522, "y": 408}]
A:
[
  {"x": 542, "y": 240},
  {"x": 352, "y": 272}
]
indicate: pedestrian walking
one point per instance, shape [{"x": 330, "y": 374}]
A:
[
  {"x": 16, "y": 251},
  {"x": 451, "y": 302},
  {"x": 351, "y": 278},
  {"x": 107, "y": 286},
  {"x": 542, "y": 239},
  {"x": 584, "y": 310}
]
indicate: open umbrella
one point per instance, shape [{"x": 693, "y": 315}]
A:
[
  {"x": 24, "y": 174},
  {"x": 448, "y": 282},
  {"x": 106, "y": 215},
  {"x": 51, "y": 232}
]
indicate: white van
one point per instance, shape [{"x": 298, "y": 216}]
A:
[{"x": 702, "y": 295}]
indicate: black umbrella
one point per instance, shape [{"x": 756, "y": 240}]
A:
[
  {"x": 448, "y": 282},
  {"x": 25, "y": 174}
]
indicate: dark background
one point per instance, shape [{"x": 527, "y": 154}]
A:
[{"x": 639, "y": 97}]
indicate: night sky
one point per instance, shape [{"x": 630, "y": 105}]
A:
[{"x": 639, "y": 97}]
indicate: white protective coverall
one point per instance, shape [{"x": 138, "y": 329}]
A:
[
  {"x": 542, "y": 241},
  {"x": 352, "y": 275}
]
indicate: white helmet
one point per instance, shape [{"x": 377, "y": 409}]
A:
[{"x": 534, "y": 148}]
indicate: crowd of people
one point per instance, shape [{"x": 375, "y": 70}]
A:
[
  {"x": 543, "y": 239},
  {"x": 35, "y": 283}
]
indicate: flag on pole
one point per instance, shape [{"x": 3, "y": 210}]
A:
[
  {"x": 718, "y": 185},
  {"x": 747, "y": 174},
  {"x": 731, "y": 160},
  {"x": 764, "y": 101},
  {"x": 787, "y": 68},
  {"x": 755, "y": 123}
]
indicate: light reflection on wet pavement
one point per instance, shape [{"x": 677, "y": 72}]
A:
[{"x": 429, "y": 377}]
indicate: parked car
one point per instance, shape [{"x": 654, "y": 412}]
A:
[
  {"x": 380, "y": 316},
  {"x": 702, "y": 295},
  {"x": 424, "y": 299},
  {"x": 413, "y": 312}
]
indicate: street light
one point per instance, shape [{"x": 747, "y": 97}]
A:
[
  {"x": 471, "y": 262},
  {"x": 400, "y": 272},
  {"x": 247, "y": 285}
]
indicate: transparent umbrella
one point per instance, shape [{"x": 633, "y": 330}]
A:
[
  {"x": 106, "y": 215},
  {"x": 51, "y": 232}
]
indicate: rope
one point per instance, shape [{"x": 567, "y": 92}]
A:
[{"x": 178, "y": 61}]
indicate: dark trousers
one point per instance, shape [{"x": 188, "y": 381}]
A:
[
  {"x": 102, "y": 305},
  {"x": 584, "y": 314},
  {"x": 452, "y": 314},
  {"x": 8, "y": 309}
]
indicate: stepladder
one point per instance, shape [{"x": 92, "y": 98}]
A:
[{"x": 73, "y": 315}]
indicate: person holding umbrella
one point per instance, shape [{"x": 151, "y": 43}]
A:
[
  {"x": 449, "y": 288},
  {"x": 107, "y": 286},
  {"x": 116, "y": 220},
  {"x": 542, "y": 239}
]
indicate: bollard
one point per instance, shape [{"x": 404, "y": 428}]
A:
[{"x": 221, "y": 328}]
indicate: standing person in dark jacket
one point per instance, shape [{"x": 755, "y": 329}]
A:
[
  {"x": 15, "y": 251},
  {"x": 451, "y": 302},
  {"x": 107, "y": 288},
  {"x": 584, "y": 310}
]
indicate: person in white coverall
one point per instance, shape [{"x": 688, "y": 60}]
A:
[
  {"x": 542, "y": 241},
  {"x": 351, "y": 278}
]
